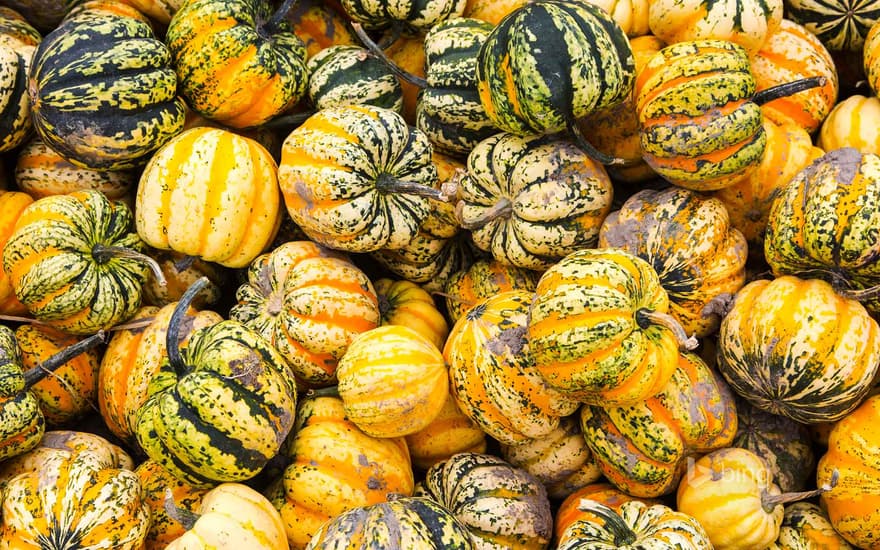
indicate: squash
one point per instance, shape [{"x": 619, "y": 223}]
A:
[
  {"x": 636, "y": 525},
  {"x": 491, "y": 11},
  {"x": 335, "y": 467},
  {"x": 531, "y": 200},
  {"x": 12, "y": 204},
  {"x": 392, "y": 381},
  {"x": 599, "y": 329},
  {"x": 539, "y": 69},
  {"x": 180, "y": 271},
  {"x": 871, "y": 58},
  {"x": 645, "y": 449},
  {"x": 484, "y": 279},
  {"x": 75, "y": 263},
  {"x": 796, "y": 348},
  {"x": 730, "y": 492},
  {"x": 219, "y": 409},
  {"x": 792, "y": 52},
  {"x": 841, "y": 25},
  {"x": 805, "y": 525},
  {"x": 346, "y": 74},
  {"x": 853, "y": 506},
  {"x": 75, "y": 497},
  {"x": 429, "y": 261},
  {"x": 86, "y": 110},
  {"x": 504, "y": 507},
  {"x": 689, "y": 242},
  {"x": 15, "y": 125},
  {"x": 493, "y": 375},
  {"x": 159, "y": 485},
  {"x": 42, "y": 15},
  {"x": 405, "y": 303},
  {"x": 853, "y": 122},
  {"x": 210, "y": 193},
  {"x": 632, "y": 16},
  {"x": 319, "y": 25},
  {"x": 113, "y": 8},
  {"x": 604, "y": 493},
  {"x": 414, "y": 16},
  {"x": 236, "y": 63},
  {"x": 231, "y": 515},
  {"x": 402, "y": 522},
  {"x": 355, "y": 178},
  {"x": 451, "y": 432},
  {"x": 408, "y": 53}
]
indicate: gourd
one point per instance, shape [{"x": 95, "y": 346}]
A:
[
  {"x": 806, "y": 525},
  {"x": 12, "y": 204},
  {"x": 346, "y": 74},
  {"x": 412, "y": 16},
  {"x": 853, "y": 122},
  {"x": 841, "y": 25},
  {"x": 603, "y": 493},
  {"x": 451, "y": 432},
  {"x": 159, "y": 486},
  {"x": 319, "y": 25},
  {"x": 402, "y": 302},
  {"x": 484, "y": 279},
  {"x": 16, "y": 122}
]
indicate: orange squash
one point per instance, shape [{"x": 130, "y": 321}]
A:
[{"x": 12, "y": 204}]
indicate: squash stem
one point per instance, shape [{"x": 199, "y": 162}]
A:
[
  {"x": 768, "y": 502},
  {"x": 860, "y": 295},
  {"x": 787, "y": 89},
  {"x": 181, "y": 515},
  {"x": 290, "y": 121},
  {"x": 387, "y": 183},
  {"x": 102, "y": 253},
  {"x": 329, "y": 391},
  {"x": 588, "y": 148},
  {"x": 280, "y": 14},
  {"x": 501, "y": 209},
  {"x": 645, "y": 317},
  {"x": 50, "y": 365},
  {"x": 374, "y": 48},
  {"x": 184, "y": 263},
  {"x": 172, "y": 335},
  {"x": 623, "y": 534}
]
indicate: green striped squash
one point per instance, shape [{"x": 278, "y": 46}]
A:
[
  {"x": 551, "y": 62},
  {"x": 22, "y": 423},
  {"x": 416, "y": 16},
  {"x": 15, "y": 108},
  {"x": 449, "y": 110},
  {"x": 74, "y": 261},
  {"x": 483, "y": 279},
  {"x": 103, "y": 92},
  {"x": 841, "y": 25},
  {"x": 805, "y": 526},
  {"x": 427, "y": 260},
  {"x": 345, "y": 74}
]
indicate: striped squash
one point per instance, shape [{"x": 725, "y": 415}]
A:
[
  {"x": 15, "y": 118},
  {"x": 113, "y": 8},
  {"x": 871, "y": 58},
  {"x": 630, "y": 15},
  {"x": 77, "y": 496},
  {"x": 403, "y": 302},
  {"x": 83, "y": 107},
  {"x": 353, "y": 178},
  {"x": 22, "y": 423},
  {"x": 797, "y": 348},
  {"x": 319, "y": 25},
  {"x": 493, "y": 375},
  {"x": 335, "y": 467},
  {"x": 599, "y": 330},
  {"x": 853, "y": 122},
  {"x": 12, "y": 204},
  {"x": 346, "y": 74},
  {"x": 744, "y": 22},
  {"x": 504, "y": 507},
  {"x": 310, "y": 303},
  {"x": 17, "y": 31},
  {"x": 236, "y": 63},
  {"x": 408, "y": 53},
  {"x": 551, "y": 62},
  {"x": 73, "y": 261},
  {"x": 210, "y": 193},
  {"x": 180, "y": 272},
  {"x": 531, "y": 200},
  {"x": 427, "y": 260},
  {"x": 416, "y": 16},
  {"x": 688, "y": 240},
  {"x": 491, "y": 11},
  {"x": 604, "y": 493},
  {"x": 157, "y": 483},
  {"x": 645, "y": 449},
  {"x": 483, "y": 279},
  {"x": 450, "y": 433},
  {"x": 806, "y": 525},
  {"x": 841, "y": 25}
]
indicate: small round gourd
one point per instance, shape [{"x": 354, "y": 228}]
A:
[
  {"x": 346, "y": 74},
  {"x": 12, "y": 204},
  {"x": 747, "y": 23},
  {"x": 853, "y": 122},
  {"x": 841, "y": 25}
]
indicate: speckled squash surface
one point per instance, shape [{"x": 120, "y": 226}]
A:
[
  {"x": 493, "y": 374},
  {"x": 841, "y": 25},
  {"x": 416, "y": 16},
  {"x": 319, "y": 25},
  {"x": 853, "y": 122},
  {"x": 12, "y": 204},
  {"x": 345, "y": 74},
  {"x": 630, "y": 15},
  {"x": 531, "y": 200},
  {"x": 689, "y": 241},
  {"x": 744, "y": 22},
  {"x": 603, "y": 493},
  {"x": 408, "y": 52},
  {"x": 429, "y": 261},
  {"x": 15, "y": 119},
  {"x": 805, "y": 525},
  {"x": 156, "y": 483},
  {"x": 797, "y": 348},
  {"x": 491, "y": 11},
  {"x": 871, "y": 58},
  {"x": 402, "y": 302},
  {"x": 484, "y": 279},
  {"x": 180, "y": 272},
  {"x": 22, "y": 423},
  {"x": 451, "y": 432},
  {"x": 589, "y": 333}
]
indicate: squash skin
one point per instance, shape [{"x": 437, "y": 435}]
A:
[
  {"x": 450, "y": 433},
  {"x": 841, "y": 25},
  {"x": 12, "y": 204},
  {"x": 415, "y": 16},
  {"x": 113, "y": 126},
  {"x": 483, "y": 279},
  {"x": 15, "y": 119},
  {"x": 806, "y": 526},
  {"x": 155, "y": 481},
  {"x": 402, "y": 302},
  {"x": 22, "y": 422},
  {"x": 603, "y": 493},
  {"x": 346, "y": 74},
  {"x": 853, "y": 122}
]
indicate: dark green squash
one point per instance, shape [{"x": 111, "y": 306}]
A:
[{"x": 345, "y": 74}]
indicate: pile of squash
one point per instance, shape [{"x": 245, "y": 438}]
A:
[{"x": 458, "y": 274}]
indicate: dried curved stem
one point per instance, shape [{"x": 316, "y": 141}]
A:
[
  {"x": 374, "y": 49},
  {"x": 502, "y": 208},
  {"x": 645, "y": 317},
  {"x": 50, "y": 365},
  {"x": 102, "y": 253},
  {"x": 172, "y": 335},
  {"x": 768, "y": 502}
]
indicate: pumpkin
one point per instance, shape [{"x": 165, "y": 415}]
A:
[
  {"x": 42, "y": 15},
  {"x": 353, "y": 178},
  {"x": 853, "y": 122},
  {"x": 805, "y": 525},
  {"x": 731, "y": 494},
  {"x": 783, "y": 443},
  {"x": 841, "y": 25},
  {"x": 415, "y": 16},
  {"x": 392, "y": 381},
  {"x": 17, "y": 31},
  {"x": 133, "y": 357},
  {"x": 503, "y": 507},
  {"x": 180, "y": 271},
  {"x": 86, "y": 110},
  {"x": 12, "y": 204},
  {"x": 210, "y": 193},
  {"x": 319, "y": 25},
  {"x": 78, "y": 497},
  {"x": 231, "y": 515},
  {"x": 792, "y": 52},
  {"x": 493, "y": 374},
  {"x": 636, "y": 525},
  {"x": 335, "y": 467},
  {"x": 604, "y": 493},
  {"x": 853, "y": 506},
  {"x": 40, "y": 172},
  {"x": 644, "y": 449},
  {"x": 630, "y": 15},
  {"x": 237, "y": 64},
  {"x": 748, "y": 201},
  {"x": 689, "y": 242},
  {"x": 15, "y": 124},
  {"x": 402, "y": 522},
  {"x": 747, "y": 23},
  {"x": 451, "y": 432},
  {"x": 405, "y": 303},
  {"x": 484, "y": 279},
  {"x": 75, "y": 263},
  {"x": 599, "y": 329},
  {"x": 159, "y": 485},
  {"x": 539, "y": 69},
  {"x": 310, "y": 303},
  {"x": 561, "y": 460},
  {"x": 795, "y": 347},
  {"x": 346, "y": 74},
  {"x": 218, "y": 409},
  {"x": 531, "y": 200}
]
